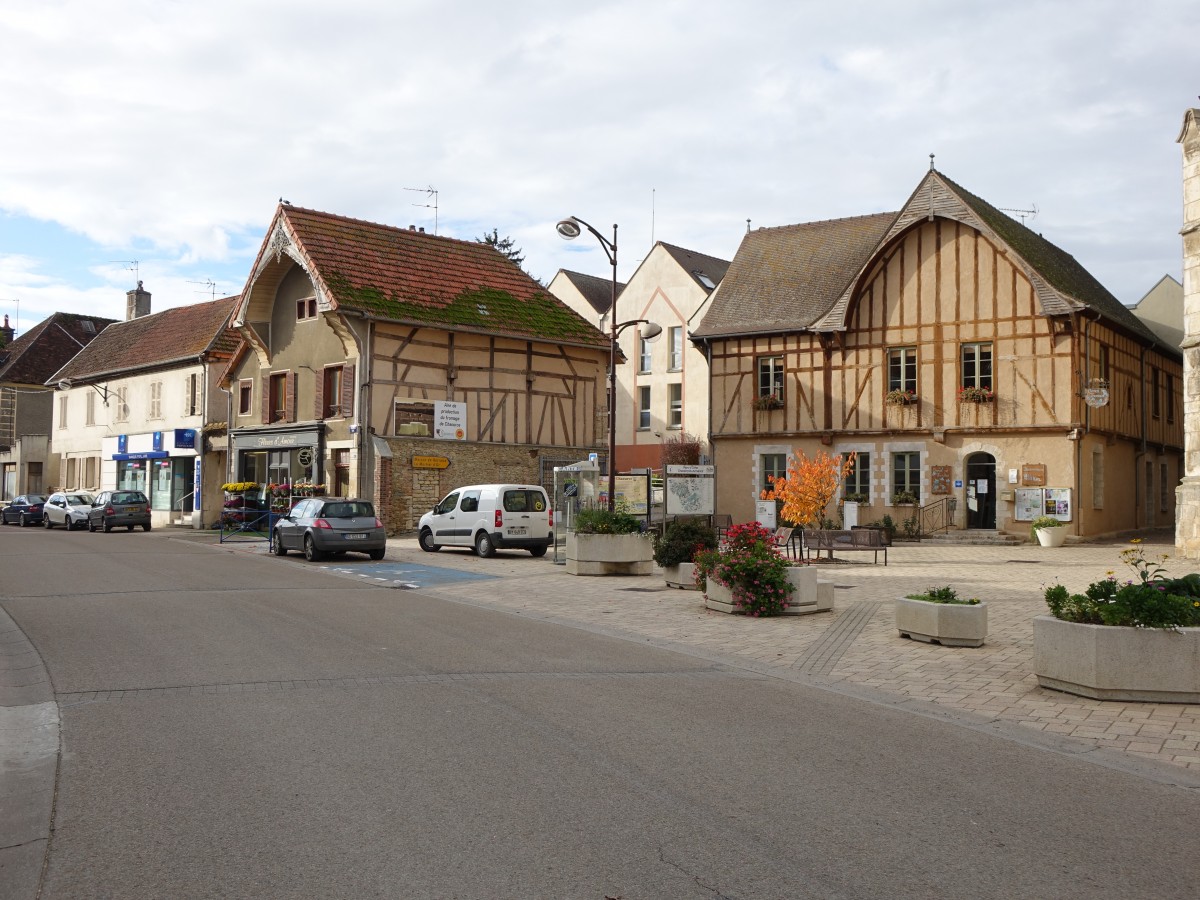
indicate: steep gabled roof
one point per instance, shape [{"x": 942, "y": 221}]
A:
[
  {"x": 407, "y": 276},
  {"x": 783, "y": 279},
  {"x": 177, "y": 335},
  {"x": 699, "y": 265},
  {"x": 47, "y": 347},
  {"x": 596, "y": 291}
]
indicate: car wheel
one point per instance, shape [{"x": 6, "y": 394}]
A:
[
  {"x": 278, "y": 549},
  {"x": 537, "y": 551},
  {"x": 426, "y": 541},
  {"x": 377, "y": 555},
  {"x": 91, "y": 525},
  {"x": 483, "y": 545},
  {"x": 24, "y": 521},
  {"x": 145, "y": 527},
  {"x": 311, "y": 553},
  {"x": 46, "y": 521},
  {"x": 107, "y": 525}
]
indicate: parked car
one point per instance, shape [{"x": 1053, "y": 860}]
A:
[
  {"x": 67, "y": 508},
  {"x": 321, "y": 525},
  {"x": 112, "y": 509},
  {"x": 490, "y": 517},
  {"x": 24, "y": 510}
]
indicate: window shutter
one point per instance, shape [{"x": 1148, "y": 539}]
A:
[
  {"x": 266, "y": 397},
  {"x": 319, "y": 396},
  {"x": 347, "y": 398},
  {"x": 289, "y": 397}
]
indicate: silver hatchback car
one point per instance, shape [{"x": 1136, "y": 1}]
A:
[
  {"x": 67, "y": 508},
  {"x": 321, "y": 525}
]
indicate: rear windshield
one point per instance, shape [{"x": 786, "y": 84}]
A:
[
  {"x": 524, "y": 501},
  {"x": 348, "y": 510},
  {"x": 79, "y": 499},
  {"x": 128, "y": 497}
]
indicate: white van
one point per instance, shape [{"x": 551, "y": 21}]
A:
[{"x": 490, "y": 517}]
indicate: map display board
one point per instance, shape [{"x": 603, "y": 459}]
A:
[{"x": 689, "y": 491}]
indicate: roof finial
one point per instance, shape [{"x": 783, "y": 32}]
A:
[{"x": 932, "y": 167}]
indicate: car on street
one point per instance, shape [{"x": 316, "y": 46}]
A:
[
  {"x": 67, "y": 508},
  {"x": 24, "y": 510},
  {"x": 322, "y": 525},
  {"x": 112, "y": 509}
]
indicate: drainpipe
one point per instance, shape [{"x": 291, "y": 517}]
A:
[{"x": 228, "y": 437}]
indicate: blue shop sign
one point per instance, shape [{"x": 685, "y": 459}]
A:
[
  {"x": 185, "y": 439},
  {"x": 145, "y": 454},
  {"x": 122, "y": 443},
  {"x": 156, "y": 439}
]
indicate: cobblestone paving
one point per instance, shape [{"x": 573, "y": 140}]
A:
[{"x": 857, "y": 645}]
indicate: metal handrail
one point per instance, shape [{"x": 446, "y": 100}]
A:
[{"x": 935, "y": 517}]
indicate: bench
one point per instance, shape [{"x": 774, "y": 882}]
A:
[{"x": 842, "y": 541}]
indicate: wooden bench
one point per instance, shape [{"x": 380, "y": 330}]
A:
[{"x": 842, "y": 541}]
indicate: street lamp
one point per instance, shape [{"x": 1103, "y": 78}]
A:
[{"x": 569, "y": 229}]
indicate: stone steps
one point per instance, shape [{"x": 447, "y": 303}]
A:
[{"x": 974, "y": 537}]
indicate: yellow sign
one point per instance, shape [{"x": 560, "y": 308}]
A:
[{"x": 430, "y": 462}]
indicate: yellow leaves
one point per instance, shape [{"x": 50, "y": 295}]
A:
[{"x": 809, "y": 486}]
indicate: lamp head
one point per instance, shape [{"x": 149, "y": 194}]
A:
[
  {"x": 64, "y": 384},
  {"x": 568, "y": 229},
  {"x": 650, "y": 331}
]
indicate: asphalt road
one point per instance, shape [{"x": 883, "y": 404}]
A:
[{"x": 234, "y": 725}]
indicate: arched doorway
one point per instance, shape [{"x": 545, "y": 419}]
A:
[{"x": 981, "y": 490}]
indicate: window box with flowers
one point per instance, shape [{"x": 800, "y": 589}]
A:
[
  {"x": 765, "y": 402},
  {"x": 1135, "y": 641},
  {"x": 975, "y": 395},
  {"x": 900, "y": 398}
]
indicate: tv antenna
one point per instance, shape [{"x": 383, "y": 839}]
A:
[
  {"x": 209, "y": 284},
  {"x": 130, "y": 265},
  {"x": 1031, "y": 213},
  {"x": 430, "y": 193}
]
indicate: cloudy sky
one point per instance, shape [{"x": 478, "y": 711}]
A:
[{"x": 164, "y": 132}]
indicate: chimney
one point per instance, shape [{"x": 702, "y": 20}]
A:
[
  {"x": 137, "y": 303},
  {"x": 6, "y": 333}
]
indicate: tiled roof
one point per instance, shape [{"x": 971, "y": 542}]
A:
[
  {"x": 47, "y": 347},
  {"x": 402, "y": 275},
  {"x": 171, "y": 336},
  {"x": 783, "y": 279},
  {"x": 596, "y": 291},
  {"x": 698, "y": 265}
]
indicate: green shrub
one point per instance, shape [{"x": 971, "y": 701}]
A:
[
  {"x": 599, "y": 520},
  {"x": 681, "y": 540},
  {"x": 944, "y": 595}
]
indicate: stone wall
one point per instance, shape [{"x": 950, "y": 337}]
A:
[{"x": 1187, "y": 523}]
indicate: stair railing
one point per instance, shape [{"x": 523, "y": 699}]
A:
[{"x": 935, "y": 517}]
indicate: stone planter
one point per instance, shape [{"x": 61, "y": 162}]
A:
[
  {"x": 949, "y": 624},
  {"x": 809, "y": 594},
  {"x": 1051, "y": 537},
  {"x": 681, "y": 576},
  {"x": 610, "y": 554},
  {"x": 1109, "y": 662}
]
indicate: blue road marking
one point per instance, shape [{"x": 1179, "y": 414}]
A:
[{"x": 407, "y": 575}]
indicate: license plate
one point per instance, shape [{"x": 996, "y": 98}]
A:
[
  {"x": 519, "y": 529},
  {"x": 355, "y": 537},
  {"x": 130, "y": 509}
]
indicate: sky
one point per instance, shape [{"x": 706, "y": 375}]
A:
[{"x": 153, "y": 139}]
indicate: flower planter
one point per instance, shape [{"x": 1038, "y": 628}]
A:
[
  {"x": 609, "y": 554},
  {"x": 948, "y": 624},
  {"x": 1111, "y": 662},
  {"x": 682, "y": 576},
  {"x": 809, "y": 594},
  {"x": 1051, "y": 537}
]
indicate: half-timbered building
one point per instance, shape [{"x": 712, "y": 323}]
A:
[
  {"x": 967, "y": 361},
  {"x": 393, "y": 364}
]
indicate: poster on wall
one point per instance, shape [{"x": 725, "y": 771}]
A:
[
  {"x": 634, "y": 492},
  {"x": 1028, "y": 504},
  {"x": 449, "y": 421},
  {"x": 1057, "y": 503},
  {"x": 940, "y": 477},
  {"x": 1034, "y": 502}
]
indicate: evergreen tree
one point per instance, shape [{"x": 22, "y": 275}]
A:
[{"x": 504, "y": 245}]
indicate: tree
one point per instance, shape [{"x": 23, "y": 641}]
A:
[
  {"x": 503, "y": 245},
  {"x": 809, "y": 486},
  {"x": 682, "y": 449}
]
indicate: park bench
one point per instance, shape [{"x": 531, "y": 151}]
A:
[{"x": 830, "y": 541}]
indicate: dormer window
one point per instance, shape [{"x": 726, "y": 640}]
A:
[
  {"x": 306, "y": 309},
  {"x": 705, "y": 280}
]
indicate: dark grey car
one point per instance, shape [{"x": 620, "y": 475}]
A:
[
  {"x": 115, "y": 508},
  {"x": 321, "y": 525}
]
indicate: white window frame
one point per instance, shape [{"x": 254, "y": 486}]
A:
[
  {"x": 644, "y": 399},
  {"x": 645, "y": 358},
  {"x": 770, "y": 371},
  {"x": 675, "y": 405},
  {"x": 902, "y": 369},
  {"x": 675, "y": 348}
]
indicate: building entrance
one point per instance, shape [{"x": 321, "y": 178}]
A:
[{"x": 981, "y": 490}]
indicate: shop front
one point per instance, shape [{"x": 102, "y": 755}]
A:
[
  {"x": 160, "y": 464},
  {"x": 279, "y": 455}
]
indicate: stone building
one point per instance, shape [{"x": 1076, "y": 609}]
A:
[{"x": 1187, "y": 527}]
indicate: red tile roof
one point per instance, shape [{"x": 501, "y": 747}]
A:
[{"x": 45, "y": 348}]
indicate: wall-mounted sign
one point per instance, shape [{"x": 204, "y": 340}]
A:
[
  {"x": 939, "y": 477},
  {"x": 430, "y": 462},
  {"x": 156, "y": 440},
  {"x": 1033, "y": 474},
  {"x": 1095, "y": 397},
  {"x": 449, "y": 421},
  {"x": 185, "y": 439}
]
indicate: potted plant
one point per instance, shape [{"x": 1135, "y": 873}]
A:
[
  {"x": 900, "y": 398},
  {"x": 746, "y": 575},
  {"x": 940, "y": 616},
  {"x": 609, "y": 542},
  {"x": 767, "y": 401},
  {"x": 1048, "y": 531},
  {"x": 1138, "y": 640},
  {"x": 676, "y": 548},
  {"x": 973, "y": 394}
]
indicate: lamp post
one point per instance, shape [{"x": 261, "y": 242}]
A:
[{"x": 569, "y": 229}]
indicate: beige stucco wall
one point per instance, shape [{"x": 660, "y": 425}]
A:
[{"x": 1187, "y": 531}]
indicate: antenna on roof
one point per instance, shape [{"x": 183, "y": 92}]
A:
[
  {"x": 1031, "y": 213},
  {"x": 428, "y": 192},
  {"x": 209, "y": 284},
  {"x": 130, "y": 265}
]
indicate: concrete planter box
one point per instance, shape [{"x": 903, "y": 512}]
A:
[
  {"x": 949, "y": 624},
  {"x": 1107, "y": 662},
  {"x": 809, "y": 594},
  {"x": 681, "y": 576},
  {"x": 1051, "y": 537},
  {"x": 610, "y": 554}
]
